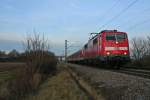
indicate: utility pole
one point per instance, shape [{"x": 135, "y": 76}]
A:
[{"x": 66, "y": 47}]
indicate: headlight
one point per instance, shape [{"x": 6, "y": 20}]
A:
[
  {"x": 108, "y": 53},
  {"x": 125, "y": 53}
]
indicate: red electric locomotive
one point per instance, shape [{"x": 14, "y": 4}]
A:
[{"x": 108, "y": 46}]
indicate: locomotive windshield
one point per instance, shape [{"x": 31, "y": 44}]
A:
[
  {"x": 110, "y": 37},
  {"x": 115, "y": 37}
]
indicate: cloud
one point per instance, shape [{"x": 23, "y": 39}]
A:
[
  {"x": 11, "y": 37},
  {"x": 8, "y": 45}
]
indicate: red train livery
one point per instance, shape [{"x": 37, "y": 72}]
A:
[{"x": 108, "y": 46}]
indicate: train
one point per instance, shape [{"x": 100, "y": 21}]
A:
[{"x": 106, "y": 47}]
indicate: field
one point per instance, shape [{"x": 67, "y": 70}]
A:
[{"x": 8, "y": 72}]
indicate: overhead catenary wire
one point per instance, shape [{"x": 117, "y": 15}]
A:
[
  {"x": 138, "y": 24},
  {"x": 130, "y": 20},
  {"x": 109, "y": 10},
  {"x": 119, "y": 14}
]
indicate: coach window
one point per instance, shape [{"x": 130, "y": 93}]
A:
[{"x": 95, "y": 41}]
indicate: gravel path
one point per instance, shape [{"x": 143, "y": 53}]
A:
[{"x": 113, "y": 85}]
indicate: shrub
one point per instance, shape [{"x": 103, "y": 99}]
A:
[{"x": 39, "y": 64}]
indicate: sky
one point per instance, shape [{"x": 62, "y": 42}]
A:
[{"x": 71, "y": 20}]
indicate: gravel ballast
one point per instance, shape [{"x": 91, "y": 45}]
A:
[{"x": 113, "y": 85}]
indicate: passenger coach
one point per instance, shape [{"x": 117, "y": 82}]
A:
[{"x": 108, "y": 46}]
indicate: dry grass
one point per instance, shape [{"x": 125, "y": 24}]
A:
[
  {"x": 59, "y": 87},
  {"x": 8, "y": 72},
  {"x": 9, "y": 66}
]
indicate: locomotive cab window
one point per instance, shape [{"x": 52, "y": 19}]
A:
[
  {"x": 114, "y": 37},
  {"x": 85, "y": 46},
  {"x": 121, "y": 36},
  {"x": 110, "y": 37},
  {"x": 95, "y": 41}
]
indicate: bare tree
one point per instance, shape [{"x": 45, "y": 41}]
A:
[
  {"x": 35, "y": 47},
  {"x": 13, "y": 53},
  {"x": 2, "y": 53},
  {"x": 139, "y": 48},
  {"x": 38, "y": 61}
]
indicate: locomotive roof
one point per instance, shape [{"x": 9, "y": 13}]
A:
[
  {"x": 108, "y": 31},
  {"x": 102, "y": 32}
]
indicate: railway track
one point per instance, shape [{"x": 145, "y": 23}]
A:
[
  {"x": 129, "y": 71},
  {"x": 122, "y": 84},
  {"x": 136, "y": 72}
]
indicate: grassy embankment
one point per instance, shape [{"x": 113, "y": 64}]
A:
[{"x": 59, "y": 87}]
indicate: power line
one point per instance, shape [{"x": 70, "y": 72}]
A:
[
  {"x": 109, "y": 10},
  {"x": 137, "y": 24},
  {"x": 144, "y": 10},
  {"x": 119, "y": 14}
]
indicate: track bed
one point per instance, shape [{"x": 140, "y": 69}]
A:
[{"x": 113, "y": 85}]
